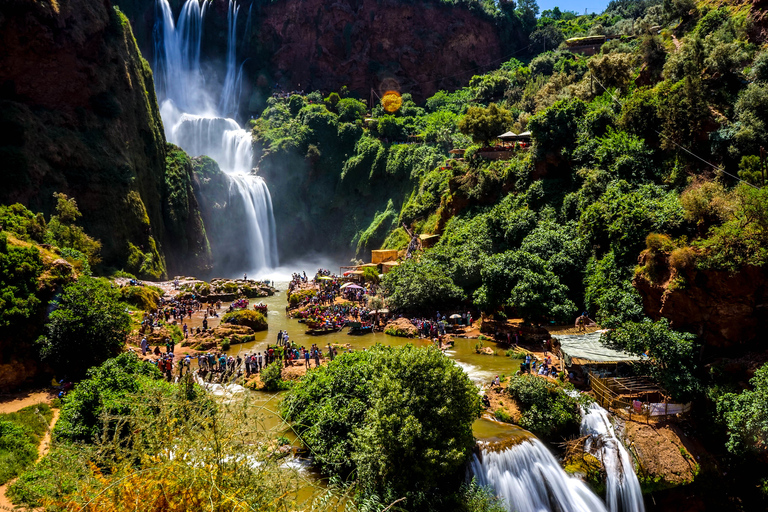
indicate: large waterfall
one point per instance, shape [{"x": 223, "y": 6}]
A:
[
  {"x": 198, "y": 118},
  {"x": 529, "y": 479},
  {"x": 623, "y": 492}
]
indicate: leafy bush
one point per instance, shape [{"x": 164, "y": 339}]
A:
[
  {"x": 746, "y": 417},
  {"x": 296, "y": 298},
  {"x": 87, "y": 326},
  {"x": 399, "y": 419},
  {"x": 672, "y": 354},
  {"x": 253, "y": 319},
  {"x": 107, "y": 390},
  {"x": 142, "y": 297},
  {"x": 20, "y": 268},
  {"x": 17, "y": 219},
  {"x": 546, "y": 409},
  {"x": 272, "y": 377},
  {"x": 20, "y": 434}
]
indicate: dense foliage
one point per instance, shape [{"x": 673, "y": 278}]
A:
[
  {"x": 107, "y": 391},
  {"x": 398, "y": 421},
  {"x": 672, "y": 354},
  {"x": 546, "y": 409},
  {"x": 20, "y": 434},
  {"x": 20, "y": 266},
  {"x": 746, "y": 417},
  {"x": 87, "y": 326}
]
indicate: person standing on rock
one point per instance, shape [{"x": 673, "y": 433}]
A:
[
  {"x": 247, "y": 365},
  {"x": 144, "y": 346}
]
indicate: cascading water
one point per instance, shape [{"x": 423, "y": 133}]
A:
[
  {"x": 199, "y": 124},
  {"x": 529, "y": 479},
  {"x": 623, "y": 492}
]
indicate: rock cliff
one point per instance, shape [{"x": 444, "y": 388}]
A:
[
  {"x": 78, "y": 115},
  {"x": 724, "y": 309},
  {"x": 374, "y": 44},
  {"x": 415, "y": 47}
]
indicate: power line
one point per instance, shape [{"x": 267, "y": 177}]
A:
[{"x": 660, "y": 134}]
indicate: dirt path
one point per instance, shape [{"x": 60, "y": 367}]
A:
[
  {"x": 16, "y": 401},
  {"x": 12, "y": 403}
]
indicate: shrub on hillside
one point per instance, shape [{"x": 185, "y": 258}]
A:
[
  {"x": 272, "y": 377},
  {"x": 249, "y": 318},
  {"x": 142, "y": 297},
  {"x": 20, "y": 268},
  {"x": 20, "y": 434},
  {"x": 87, "y": 326},
  {"x": 546, "y": 409}
]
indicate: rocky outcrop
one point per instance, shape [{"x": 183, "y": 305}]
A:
[
  {"x": 78, "y": 115},
  {"x": 415, "y": 47},
  {"x": 721, "y": 307},
  {"x": 381, "y": 44}
]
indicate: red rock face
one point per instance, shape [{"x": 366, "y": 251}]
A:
[
  {"x": 724, "y": 309},
  {"x": 387, "y": 44}
]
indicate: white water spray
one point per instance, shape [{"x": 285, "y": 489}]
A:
[
  {"x": 529, "y": 479},
  {"x": 200, "y": 125},
  {"x": 623, "y": 492}
]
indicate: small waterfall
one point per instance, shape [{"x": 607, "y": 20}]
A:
[
  {"x": 230, "y": 95},
  {"x": 200, "y": 125},
  {"x": 529, "y": 479},
  {"x": 623, "y": 492}
]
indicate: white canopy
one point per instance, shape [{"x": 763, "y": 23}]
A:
[{"x": 589, "y": 347}]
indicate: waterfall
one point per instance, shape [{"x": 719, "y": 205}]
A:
[
  {"x": 529, "y": 479},
  {"x": 623, "y": 492},
  {"x": 200, "y": 125},
  {"x": 230, "y": 95}
]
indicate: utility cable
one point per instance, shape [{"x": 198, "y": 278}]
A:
[{"x": 660, "y": 134}]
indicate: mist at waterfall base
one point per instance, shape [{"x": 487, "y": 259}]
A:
[{"x": 197, "y": 114}]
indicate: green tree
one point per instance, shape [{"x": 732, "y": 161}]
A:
[
  {"x": 420, "y": 286},
  {"x": 63, "y": 232},
  {"x": 522, "y": 280},
  {"x": 547, "y": 410},
  {"x": 672, "y": 354},
  {"x": 19, "y": 269},
  {"x": 746, "y": 416},
  {"x": 556, "y": 128},
  {"x": 87, "y": 326},
  {"x": 751, "y": 111},
  {"x": 350, "y": 110},
  {"x": 399, "y": 420},
  {"x": 485, "y": 124}
]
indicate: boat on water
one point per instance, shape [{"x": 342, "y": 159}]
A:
[
  {"x": 358, "y": 329},
  {"x": 323, "y": 330}
]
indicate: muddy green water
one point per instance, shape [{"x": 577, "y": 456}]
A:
[{"x": 481, "y": 369}]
